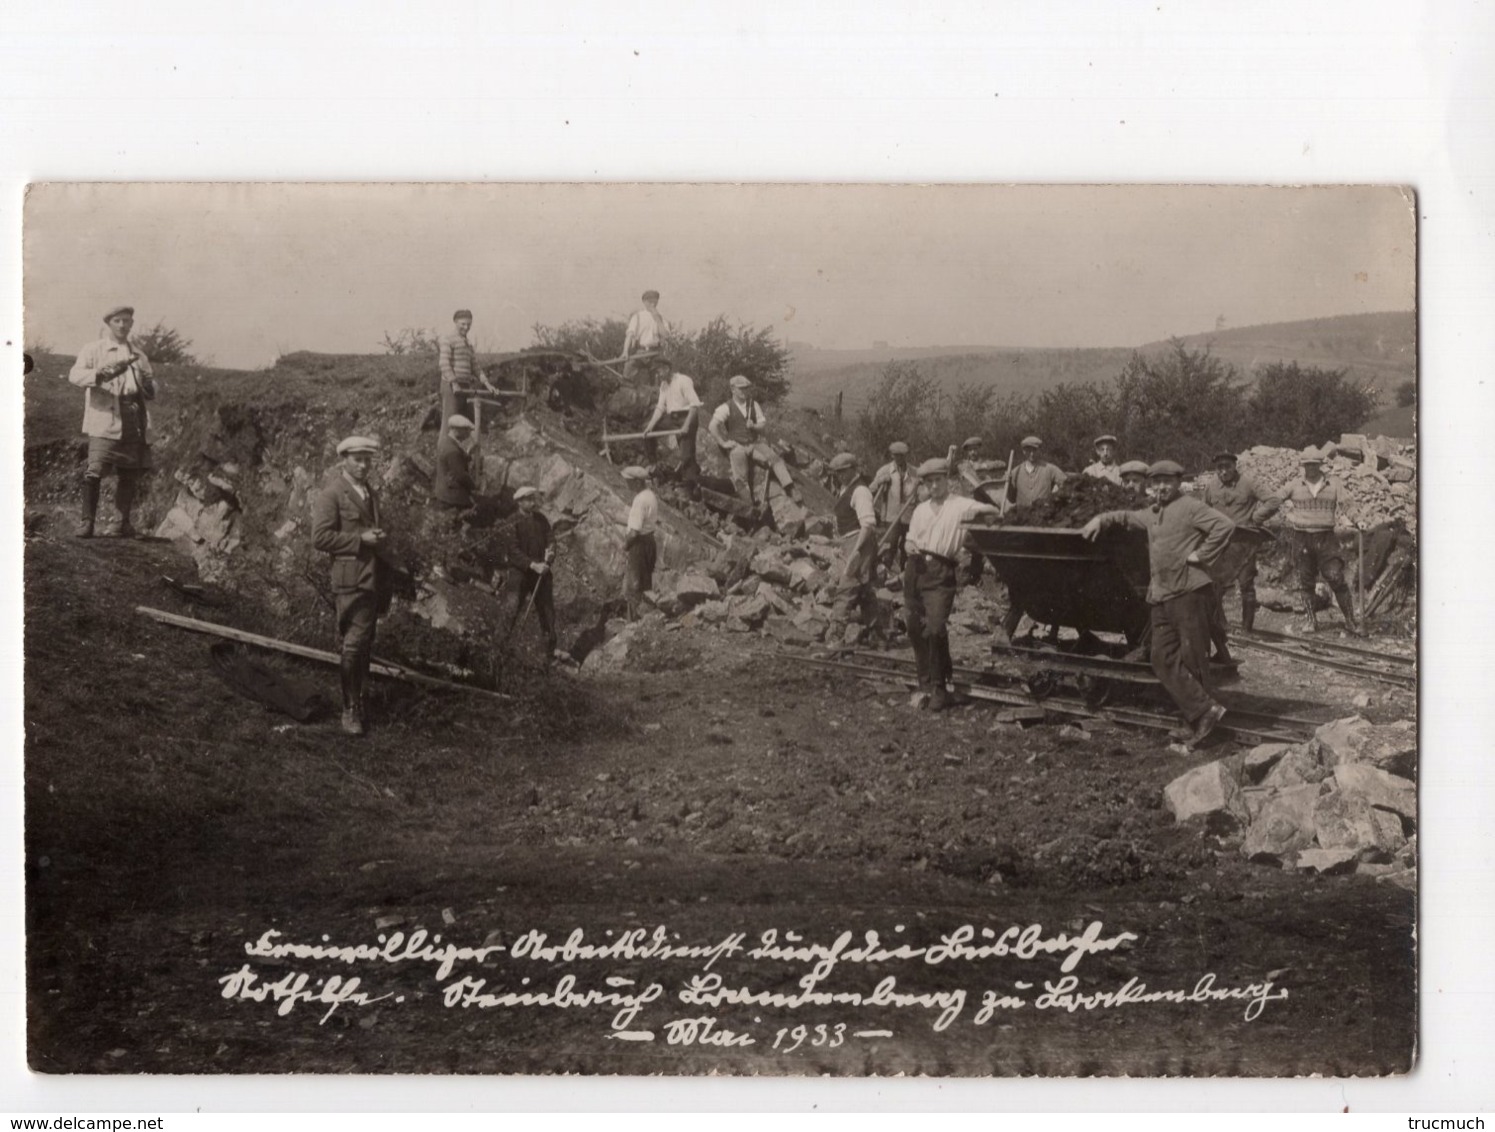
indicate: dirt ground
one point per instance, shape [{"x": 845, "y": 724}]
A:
[{"x": 715, "y": 788}]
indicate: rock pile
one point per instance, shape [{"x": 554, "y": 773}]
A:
[
  {"x": 1345, "y": 801},
  {"x": 1379, "y": 476},
  {"x": 1073, "y": 504}
]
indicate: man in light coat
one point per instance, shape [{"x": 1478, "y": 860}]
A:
[{"x": 119, "y": 382}]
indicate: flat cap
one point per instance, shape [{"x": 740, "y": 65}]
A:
[
  {"x": 525, "y": 493},
  {"x": 898, "y": 448},
  {"x": 457, "y": 420},
  {"x": 113, "y": 311},
  {"x": 934, "y": 466},
  {"x": 1107, "y": 439},
  {"x": 356, "y": 444},
  {"x": 842, "y": 460},
  {"x": 1225, "y": 456},
  {"x": 634, "y": 472},
  {"x": 1031, "y": 442},
  {"x": 1311, "y": 455},
  {"x": 461, "y": 314},
  {"x": 740, "y": 382},
  {"x": 1165, "y": 468},
  {"x": 647, "y": 295},
  {"x": 973, "y": 442},
  {"x": 1133, "y": 467}
]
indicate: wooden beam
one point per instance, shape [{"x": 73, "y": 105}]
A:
[{"x": 378, "y": 668}]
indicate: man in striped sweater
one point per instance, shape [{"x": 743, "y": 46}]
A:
[
  {"x": 459, "y": 368},
  {"x": 1311, "y": 505}
]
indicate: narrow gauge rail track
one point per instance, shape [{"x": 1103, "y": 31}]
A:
[
  {"x": 1315, "y": 642},
  {"x": 1396, "y": 671},
  {"x": 1276, "y": 729}
]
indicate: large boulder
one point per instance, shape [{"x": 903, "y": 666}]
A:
[
  {"x": 695, "y": 586},
  {"x": 772, "y": 565},
  {"x": 1327, "y": 860},
  {"x": 1391, "y": 747},
  {"x": 1348, "y": 821},
  {"x": 1263, "y": 757},
  {"x": 1385, "y": 791},
  {"x": 751, "y": 609},
  {"x": 1209, "y": 791},
  {"x": 1294, "y": 768},
  {"x": 1283, "y": 826}
]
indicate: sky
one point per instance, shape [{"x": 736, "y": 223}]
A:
[{"x": 250, "y": 271}]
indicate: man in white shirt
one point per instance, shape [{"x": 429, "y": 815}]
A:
[
  {"x": 855, "y": 516},
  {"x": 895, "y": 488},
  {"x": 638, "y": 542},
  {"x": 678, "y": 406},
  {"x": 738, "y": 425},
  {"x": 646, "y": 330},
  {"x": 119, "y": 381},
  {"x": 935, "y": 534},
  {"x": 1105, "y": 466}
]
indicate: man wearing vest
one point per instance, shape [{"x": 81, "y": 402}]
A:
[
  {"x": 1243, "y": 501},
  {"x": 737, "y": 425},
  {"x": 458, "y": 362},
  {"x": 345, "y": 524},
  {"x": 895, "y": 488},
  {"x": 935, "y": 534},
  {"x": 856, "y": 523},
  {"x": 1105, "y": 466},
  {"x": 646, "y": 331},
  {"x": 1183, "y": 538},
  {"x": 529, "y": 555},
  {"x": 119, "y": 382},
  {"x": 1312, "y": 511}
]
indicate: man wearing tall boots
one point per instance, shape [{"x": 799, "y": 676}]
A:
[
  {"x": 1183, "y": 537},
  {"x": 856, "y": 525},
  {"x": 118, "y": 381},
  {"x": 345, "y": 523},
  {"x": 935, "y": 534},
  {"x": 1311, "y": 510},
  {"x": 1243, "y": 501}
]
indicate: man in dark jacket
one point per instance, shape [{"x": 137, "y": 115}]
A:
[
  {"x": 530, "y": 554},
  {"x": 452, "y": 483},
  {"x": 345, "y": 523}
]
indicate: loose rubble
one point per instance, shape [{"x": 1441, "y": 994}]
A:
[{"x": 1379, "y": 476}]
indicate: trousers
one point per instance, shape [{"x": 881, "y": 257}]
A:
[
  {"x": 638, "y": 574},
  {"x": 928, "y": 594},
  {"x": 690, "y": 420},
  {"x": 1180, "y": 649},
  {"x": 744, "y": 456},
  {"x": 525, "y": 583}
]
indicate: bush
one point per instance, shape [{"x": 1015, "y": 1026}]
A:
[
  {"x": 163, "y": 345},
  {"x": 1184, "y": 406},
  {"x": 412, "y": 340},
  {"x": 1293, "y": 406}
]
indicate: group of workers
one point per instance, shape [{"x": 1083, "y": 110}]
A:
[{"x": 923, "y": 512}]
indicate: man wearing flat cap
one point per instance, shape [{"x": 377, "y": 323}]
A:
[
  {"x": 1311, "y": 511},
  {"x": 119, "y": 381},
  {"x": 1105, "y": 466},
  {"x": 529, "y": 554},
  {"x": 737, "y": 426},
  {"x": 646, "y": 331},
  {"x": 895, "y": 491},
  {"x": 1246, "y": 504},
  {"x": 1134, "y": 477},
  {"x": 677, "y": 406},
  {"x": 1033, "y": 479},
  {"x": 458, "y": 362},
  {"x": 1183, "y": 537},
  {"x": 452, "y": 484},
  {"x": 639, "y": 547},
  {"x": 345, "y": 523},
  {"x": 935, "y": 535},
  {"x": 968, "y": 471},
  {"x": 856, "y": 525}
]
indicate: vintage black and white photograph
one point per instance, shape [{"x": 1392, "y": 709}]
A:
[{"x": 745, "y": 629}]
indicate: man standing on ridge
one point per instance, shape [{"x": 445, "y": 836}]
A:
[
  {"x": 458, "y": 362},
  {"x": 646, "y": 331},
  {"x": 345, "y": 523},
  {"x": 1183, "y": 537},
  {"x": 119, "y": 381}
]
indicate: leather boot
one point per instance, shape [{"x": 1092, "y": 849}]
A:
[
  {"x": 90, "y": 507},
  {"x": 352, "y": 690},
  {"x": 1248, "y": 615},
  {"x": 1347, "y": 607},
  {"x": 1310, "y": 622}
]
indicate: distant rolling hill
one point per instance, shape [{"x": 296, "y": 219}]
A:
[{"x": 1380, "y": 349}]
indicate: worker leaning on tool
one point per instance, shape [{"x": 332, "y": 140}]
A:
[
  {"x": 1105, "y": 466},
  {"x": 855, "y": 515},
  {"x": 1311, "y": 511},
  {"x": 452, "y": 484},
  {"x": 529, "y": 554},
  {"x": 639, "y": 546},
  {"x": 678, "y": 406},
  {"x": 345, "y": 523},
  {"x": 119, "y": 381},
  {"x": 738, "y": 426},
  {"x": 1183, "y": 537},
  {"x": 935, "y": 535},
  {"x": 458, "y": 362},
  {"x": 1246, "y": 504},
  {"x": 895, "y": 487},
  {"x": 646, "y": 331}
]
